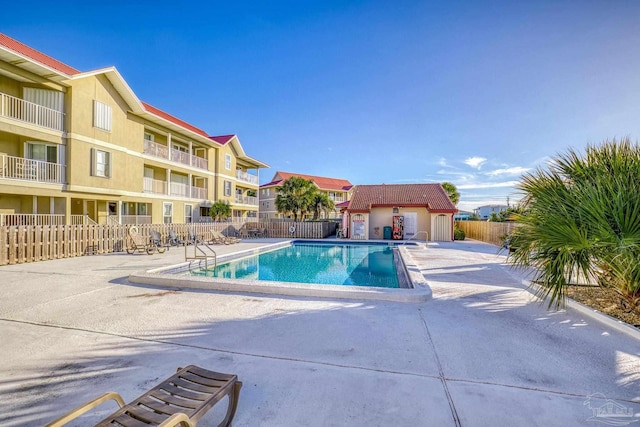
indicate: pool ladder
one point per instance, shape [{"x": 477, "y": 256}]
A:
[{"x": 200, "y": 255}]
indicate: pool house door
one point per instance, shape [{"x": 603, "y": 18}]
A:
[{"x": 410, "y": 224}]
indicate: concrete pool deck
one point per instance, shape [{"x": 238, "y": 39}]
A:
[{"x": 481, "y": 352}]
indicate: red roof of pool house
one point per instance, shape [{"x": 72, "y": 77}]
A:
[
  {"x": 323, "y": 183},
  {"x": 431, "y": 196}
]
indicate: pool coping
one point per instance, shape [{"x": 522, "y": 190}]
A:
[{"x": 420, "y": 292}]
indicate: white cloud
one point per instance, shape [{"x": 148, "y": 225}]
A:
[
  {"x": 475, "y": 162},
  {"x": 443, "y": 162},
  {"x": 516, "y": 170}
]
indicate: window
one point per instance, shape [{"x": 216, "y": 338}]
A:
[
  {"x": 43, "y": 152},
  {"x": 267, "y": 205},
  {"x": 167, "y": 212},
  {"x": 101, "y": 116},
  {"x": 227, "y": 188},
  {"x": 188, "y": 213},
  {"x": 227, "y": 161},
  {"x": 101, "y": 163},
  {"x": 149, "y": 136}
]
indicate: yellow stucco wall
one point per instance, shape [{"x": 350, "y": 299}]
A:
[
  {"x": 10, "y": 86},
  {"x": 124, "y": 143},
  {"x": 381, "y": 217}
]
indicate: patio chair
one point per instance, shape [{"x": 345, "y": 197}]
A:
[
  {"x": 220, "y": 239},
  {"x": 174, "y": 240},
  {"x": 156, "y": 239},
  {"x": 192, "y": 237},
  {"x": 181, "y": 399}
]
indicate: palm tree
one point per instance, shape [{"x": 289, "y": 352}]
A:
[
  {"x": 220, "y": 210},
  {"x": 452, "y": 192},
  {"x": 582, "y": 216},
  {"x": 295, "y": 197},
  {"x": 321, "y": 203}
]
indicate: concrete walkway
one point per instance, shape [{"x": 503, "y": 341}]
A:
[{"x": 481, "y": 353}]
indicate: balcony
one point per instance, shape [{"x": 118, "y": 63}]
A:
[
  {"x": 246, "y": 177},
  {"x": 31, "y": 170},
  {"x": 198, "y": 193},
  {"x": 157, "y": 186},
  {"x": 164, "y": 152},
  {"x": 155, "y": 149},
  {"x": 246, "y": 200},
  {"x": 28, "y": 112},
  {"x": 154, "y": 186}
]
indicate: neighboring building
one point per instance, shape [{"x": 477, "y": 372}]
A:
[
  {"x": 425, "y": 210},
  {"x": 338, "y": 190},
  {"x": 484, "y": 212},
  {"x": 463, "y": 216},
  {"x": 79, "y": 146}
]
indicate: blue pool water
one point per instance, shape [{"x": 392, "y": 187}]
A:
[{"x": 329, "y": 264}]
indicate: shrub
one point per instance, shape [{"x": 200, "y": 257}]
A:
[{"x": 458, "y": 233}]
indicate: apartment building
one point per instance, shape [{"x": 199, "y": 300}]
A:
[
  {"x": 77, "y": 147},
  {"x": 338, "y": 190}
]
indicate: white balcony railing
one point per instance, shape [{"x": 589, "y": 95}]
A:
[
  {"x": 246, "y": 200},
  {"x": 31, "y": 170},
  {"x": 177, "y": 189},
  {"x": 199, "y": 162},
  {"x": 155, "y": 149},
  {"x": 198, "y": 193},
  {"x": 155, "y": 186},
  {"x": 162, "y": 151},
  {"x": 28, "y": 112},
  {"x": 31, "y": 219},
  {"x": 246, "y": 177}
]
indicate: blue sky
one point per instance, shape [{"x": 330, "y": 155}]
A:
[{"x": 474, "y": 93}]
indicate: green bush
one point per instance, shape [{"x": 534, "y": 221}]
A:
[{"x": 458, "y": 234}]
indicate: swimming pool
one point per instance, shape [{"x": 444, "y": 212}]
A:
[
  {"x": 412, "y": 286},
  {"x": 316, "y": 263}
]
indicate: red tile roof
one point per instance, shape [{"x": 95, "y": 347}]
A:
[
  {"x": 431, "y": 196},
  {"x": 222, "y": 139},
  {"x": 173, "y": 119},
  {"x": 35, "y": 55},
  {"x": 322, "y": 182}
]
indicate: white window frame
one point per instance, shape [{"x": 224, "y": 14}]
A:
[
  {"x": 105, "y": 170},
  {"x": 164, "y": 212},
  {"x": 188, "y": 218},
  {"x": 227, "y": 161},
  {"x": 149, "y": 137},
  {"x": 102, "y": 115},
  {"x": 227, "y": 188}
]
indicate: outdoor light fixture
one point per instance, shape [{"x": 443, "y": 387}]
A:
[{"x": 396, "y": 209}]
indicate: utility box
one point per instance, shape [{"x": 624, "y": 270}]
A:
[{"x": 386, "y": 232}]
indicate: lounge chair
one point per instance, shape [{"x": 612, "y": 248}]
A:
[
  {"x": 220, "y": 239},
  {"x": 174, "y": 240},
  {"x": 156, "y": 239},
  {"x": 182, "y": 399},
  {"x": 192, "y": 237},
  {"x": 136, "y": 242}
]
